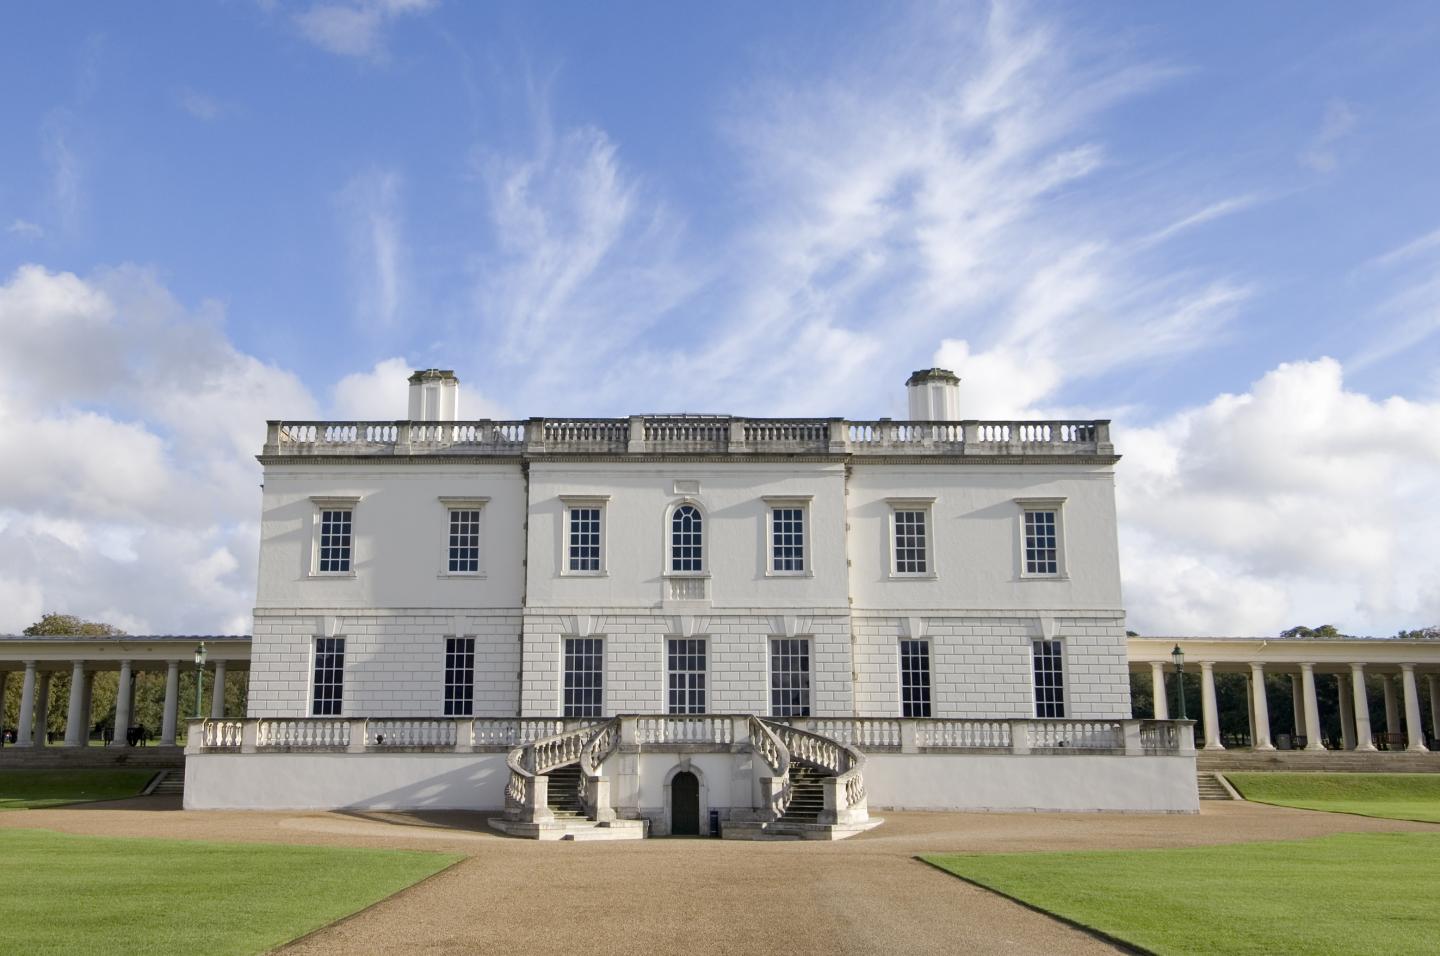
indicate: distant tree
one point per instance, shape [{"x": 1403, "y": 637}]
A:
[
  {"x": 1323, "y": 631},
  {"x": 63, "y": 624},
  {"x": 1132, "y": 633},
  {"x": 1431, "y": 633}
]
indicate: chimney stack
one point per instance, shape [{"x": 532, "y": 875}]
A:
[
  {"x": 934, "y": 395},
  {"x": 434, "y": 396}
]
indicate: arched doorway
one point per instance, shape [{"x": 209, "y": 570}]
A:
[{"x": 684, "y": 804}]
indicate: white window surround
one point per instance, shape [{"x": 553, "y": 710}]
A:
[
  {"x": 449, "y": 504},
  {"x": 926, "y": 506},
  {"x": 1056, "y": 505},
  {"x": 705, "y": 531},
  {"x": 322, "y": 504},
  {"x": 1048, "y": 689},
  {"x": 571, "y": 502},
  {"x": 802, "y": 502}
]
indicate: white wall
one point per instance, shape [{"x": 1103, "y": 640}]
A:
[{"x": 335, "y": 781}]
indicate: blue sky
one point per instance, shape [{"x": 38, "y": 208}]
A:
[{"x": 1217, "y": 224}]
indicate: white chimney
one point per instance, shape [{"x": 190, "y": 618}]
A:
[
  {"x": 934, "y": 395},
  {"x": 434, "y": 396}
]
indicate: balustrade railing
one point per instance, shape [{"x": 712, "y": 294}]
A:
[
  {"x": 768, "y": 745},
  {"x": 687, "y": 589},
  {"x": 863, "y": 733},
  {"x": 1159, "y": 736},
  {"x": 684, "y": 730},
  {"x": 841, "y": 762},
  {"x": 1076, "y": 735},
  {"x": 306, "y": 733},
  {"x": 222, "y": 734},
  {"x": 504, "y": 733},
  {"x": 437, "y": 734},
  {"x": 963, "y": 734}
]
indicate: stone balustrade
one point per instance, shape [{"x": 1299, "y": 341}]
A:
[{"x": 717, "y": 434}]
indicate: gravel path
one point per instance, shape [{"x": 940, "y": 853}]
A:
[{"x": 867, "y": 894}]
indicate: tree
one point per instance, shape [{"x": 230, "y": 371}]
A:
[
  {"x": 1431, "y": 633},
  {"x": 68, "y": 624},
  {"x": 1323, "y": 631}
]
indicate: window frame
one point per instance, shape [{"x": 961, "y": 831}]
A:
[
  {"x": 703, "y": 673},
  {"x": 669, "y": 532},
  {"x": 569, "y": 504},
  {"x": 926, "y": 506},
  {"x": 1035, "y": 688},
  {"x": 338, "y": 700},
  {"x": 321, "y": 504},
  {"x": 450, "y": 505},
  {"x": 799, "y": 503},
  {"x": 928, "y": 702},
  {"x": 454, "y": 704},
  {"x": 577, "y": 711},
  {"x": 1028, "y": 506},
  {"x": 807, "y": 706}
]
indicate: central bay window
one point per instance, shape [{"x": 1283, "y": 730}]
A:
[
  {"x": 459, "y": 676},
  {"x": 1049, "y": 657},
  {"x": 328, "y": 687},
  {"x": 685, "y": 675},
  {"x": 687, "y": 540},
  {"x": 914, "y": 678},
  {"x": 584, "y": 677},
  {"x": 789, "y": 677}
]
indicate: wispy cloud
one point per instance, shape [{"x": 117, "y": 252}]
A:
[
  {"x": 371, "y": 206},
  {"x": 66, "y": 193},
  {"x": 25, "y": 229},
  {"x": 1339, "y": 121},
  {"x": 1210, "y": 213},
  {"x": 198, "y": 104},
  {"x": 355, "y": 27}
]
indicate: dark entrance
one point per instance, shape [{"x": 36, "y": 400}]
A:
[{"x": 684, "y": 804}]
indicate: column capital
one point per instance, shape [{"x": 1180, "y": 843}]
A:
[
  {"x": 1358, "y": 670},
  {"x": 1307, "y": 667},
  {"x": 30, "y": 665},
  {"x": 1207, "y": 665},
  {"x": 1257, "y": 667},
  {"x": 1407, "y": 668}
]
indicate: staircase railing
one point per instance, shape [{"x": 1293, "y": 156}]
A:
[
  {"x": 527, "y": 794},
  {"x": 845, "y": 799},
  {"x": 776, "y": 789}
]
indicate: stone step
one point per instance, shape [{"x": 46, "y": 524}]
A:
[{"x": 1329, "y": 761}]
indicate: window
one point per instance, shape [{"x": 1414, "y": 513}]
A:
[
  {"x": 687, "y": 540},
  {"x": 789, "y": 677},
  {"x": 583, "y": 534},
  {"x": 584, "y": 677},
  {"x": 329, "y": 688},
  {"x": 787, "y": 539},
  {"x": 464, "y": 555},
  {"x": 685, "y": 665},
  {"x": 914, "y": 678},
  {"x": 1042, "y": 538},
  {"x": 459, "y": 676},
  {"x": 335, "y": 531},
  {"x": 1049, "y": 679}
]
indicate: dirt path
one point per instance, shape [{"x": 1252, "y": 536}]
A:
[{"x": 864, "y": 895}]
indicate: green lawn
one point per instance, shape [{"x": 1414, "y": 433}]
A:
[
  {"x": 21, "y": 789},
  {"x": 1397, "y": 796},
  {"x": 1349, "y": 893},
  {"x": 74, "y": 894}
]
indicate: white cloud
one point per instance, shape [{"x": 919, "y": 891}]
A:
[
  {"x": 66, "y": 171},
  {"x": 198, "y": 105},
  {"x": 1297, "y": 502},
  {"x": 355, "y": 27},
  {"x": 25, "y": 229},
  {"x": 381, "y": 394},
  {"x": 1339, "y": 121},
  {"x": 371, "y": 206}
]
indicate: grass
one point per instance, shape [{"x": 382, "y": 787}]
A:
[
  {"x": 27, "y": 789},
  {"x": 1396, "y": 796},
  {"x": 72, "y": 894},
  {"x": 1347, "y": 893}
]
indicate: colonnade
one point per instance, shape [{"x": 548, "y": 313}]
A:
[
  {"x": 1354, "y": 705},
  {"x": 35, "y": 701}
]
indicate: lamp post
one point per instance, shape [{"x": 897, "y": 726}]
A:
[
  {"x": 1178, "y": 656},
  {"x": 199, "y": 677}
]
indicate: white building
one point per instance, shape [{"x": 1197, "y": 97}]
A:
[{"x": 937, "y": 588}]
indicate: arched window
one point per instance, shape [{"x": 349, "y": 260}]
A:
[{"x": 686, "y": 539}]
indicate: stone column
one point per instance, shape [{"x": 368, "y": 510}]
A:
[
  {"x": 42, "y": 713},
  {"x": 1392, "y": 709},
  {"x": 1416, "y": 737},
  {"x": 1312, "y": 709},
  {"x": 1208, "y": 707},
  {"x": 1260, "y": 709},
  {"x": 122, "y": 703},
  {"x": 4, "y": 681},
  {"x": 87, "y": 709},
  {"x": 1434, "y": 683},
  {"x": 25, "y": 730},
  {"x": 217, "y": 693},
  {"x": 74, "y": 718},
  {"x": 1347, "y": 711},
  {"x": 1364, "y": 739},
  {"x": 1157, "y": 690},
  {"x": 1297, "y": 705},
  {"x": 172, "y": 702}
]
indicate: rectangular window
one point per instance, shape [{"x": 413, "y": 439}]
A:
[
  {"x": 1041, "y": 544},
  {"x": 789, "y": 677},
  {"x": 335, "y": 541},
  {"x": 464, "y": 541},
  {"x": 459, "y": 676},
  {"x": 914, "y": 678},
  {"x": 1049, "y": 679},
  {"x": 911, "y": 544},
  {"x": 685, "y": 666},
  {"x": 787, "y": 539},
  {"x": 584, "y": 676},
  {"x": 584, "y": 539},
  {"x": 329, "y": 689}
]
